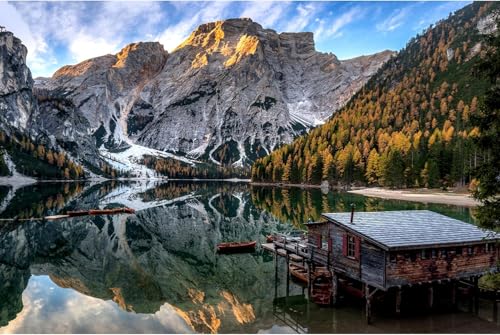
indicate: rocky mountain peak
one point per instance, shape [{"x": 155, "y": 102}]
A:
[
  {"x": 14, "y": 74},
  {"x": 16, "y": 99},
  {"x": 143, "y": 57},
  {"x": 230, "y": 93},
  {"x": 213, "y": 33}
]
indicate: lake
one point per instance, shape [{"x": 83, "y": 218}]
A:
[{"x": 157, "y": 271}]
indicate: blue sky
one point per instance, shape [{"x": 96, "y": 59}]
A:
[{"x": 60, "y": 33}]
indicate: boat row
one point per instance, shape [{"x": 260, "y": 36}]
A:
[{"x": 109, "y": 211}]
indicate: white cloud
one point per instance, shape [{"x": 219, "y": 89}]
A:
[
  {"x": 395, "y": 20},
  {"x": 306, "y": 12},
  {"x": 39, "y": 55},
  {"x": 191, "y": 16},
  {"x": 83, "y": 29},
  {"x": 343, "y": 20},
  {"x": 84, "y": 46},
  {"x": 176, "y": 34},
  {"x": 265, "y": 13}
]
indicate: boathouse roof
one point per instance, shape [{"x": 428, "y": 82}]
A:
[{"x": 410, "y": 229}]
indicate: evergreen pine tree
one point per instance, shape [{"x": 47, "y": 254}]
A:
[{"x": 487, "y": 119}]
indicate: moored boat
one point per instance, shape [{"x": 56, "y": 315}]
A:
[
  {"x": 298, "y": 272},
  {"x": 232, "y": 247},
  {"x": 321, "y": 291}
]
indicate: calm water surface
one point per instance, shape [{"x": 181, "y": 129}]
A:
[{"x": 158, "y": 271}]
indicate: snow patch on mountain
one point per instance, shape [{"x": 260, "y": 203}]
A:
[
  {"x": 299, "y": 113},
  {"x": 129, "y": 160}
]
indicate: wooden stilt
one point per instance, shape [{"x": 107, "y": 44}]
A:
[
  {"x": 335, "y": 285},
  {"x": 309, "y": 279},
  {"x": 275, "y": 275},
  {"x": 476, "y": 295},
  {"x": 430, "y": 296},
  {"x": 454, "y": 294},
  {"x": 287, "y": 274},
  {"x": 368, "y": 304},
  {"x": 495, "y": 309},
  {"x": 398, "y": 301}
]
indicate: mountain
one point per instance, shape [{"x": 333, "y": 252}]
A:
[
  {"x": 24, "y": 147},
  {"x": 410, "y": 123},
  {"x": 232, "y": 92},
  {"x": 17, "y": 102}
]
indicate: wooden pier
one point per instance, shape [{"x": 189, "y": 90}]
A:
[{"x": 385, "y": 254}]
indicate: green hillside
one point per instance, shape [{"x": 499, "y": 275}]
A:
[{"x": 409, "y": 125}]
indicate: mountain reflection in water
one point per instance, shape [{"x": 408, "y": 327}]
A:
[{"x": 158, "y": 270}]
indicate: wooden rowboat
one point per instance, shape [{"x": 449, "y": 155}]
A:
[
  {"x": 299, "y": 272},
  {"x": 232, "y": 247},
  {"x": 321, "y": 291}
]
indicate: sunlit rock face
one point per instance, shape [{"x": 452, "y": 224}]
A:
[
  {"x": 87, "y": 105},
  {"x": 232, "y": 92},
  {"x": 16, "y": 99}
]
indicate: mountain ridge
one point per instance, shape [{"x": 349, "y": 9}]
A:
[
  {"x": 409, "y": 124},
  {"x": 230, "y": 93}
]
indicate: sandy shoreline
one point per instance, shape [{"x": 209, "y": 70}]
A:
[{"x": 420, "y": 195}]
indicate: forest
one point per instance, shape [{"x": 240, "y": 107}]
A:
[
  {"x": 410, "y": 125},
  {"x": 36, "y": 160},
  {"x": 179, "y": 170}
]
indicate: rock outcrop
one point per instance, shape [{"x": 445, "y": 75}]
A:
[
  {"x": 87, "y": 104},
  {"x": 16, "y": 98},
  {"x": 233, "y": 91},
  {"x": 229, "y": 94}
]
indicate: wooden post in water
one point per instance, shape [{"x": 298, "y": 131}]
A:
[
  {"x": 454, "y": 295},
  {"x": 368, "y": 304},
  {"x": 398, "y": 301},
  {"x": 495, "y": 308},
  {"x": 309, "y": 279},
  {"x": 275, "y": 273},
  {"x": 335, "y": 285},
  {"x": 287, "y": 273},
  {"x": 430, "y": 296},
  {"x": 476, "y": 295}
]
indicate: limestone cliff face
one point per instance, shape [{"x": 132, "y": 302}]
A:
[
  {"x": 230, "y": 93},
  {"x": 233, "y": 91},
  {"x": 16, "y": 99},
  {"x": 88, "y": 103}
]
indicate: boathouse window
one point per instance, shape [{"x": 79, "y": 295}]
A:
[
  {"x": 325, "y": 241},
  {"x": 459, "y": 251},
  {"x": 424, "y": 254},
  {"x": 433, "y": 253},
  {"x": 470, "y": 251},
  {"x": 351, "y": 246},
  {"x": 444, "y": 253},
  {"x": 413, "y": 256}
]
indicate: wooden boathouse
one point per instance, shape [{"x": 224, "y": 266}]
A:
[{"x": 373, "y": 253}]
